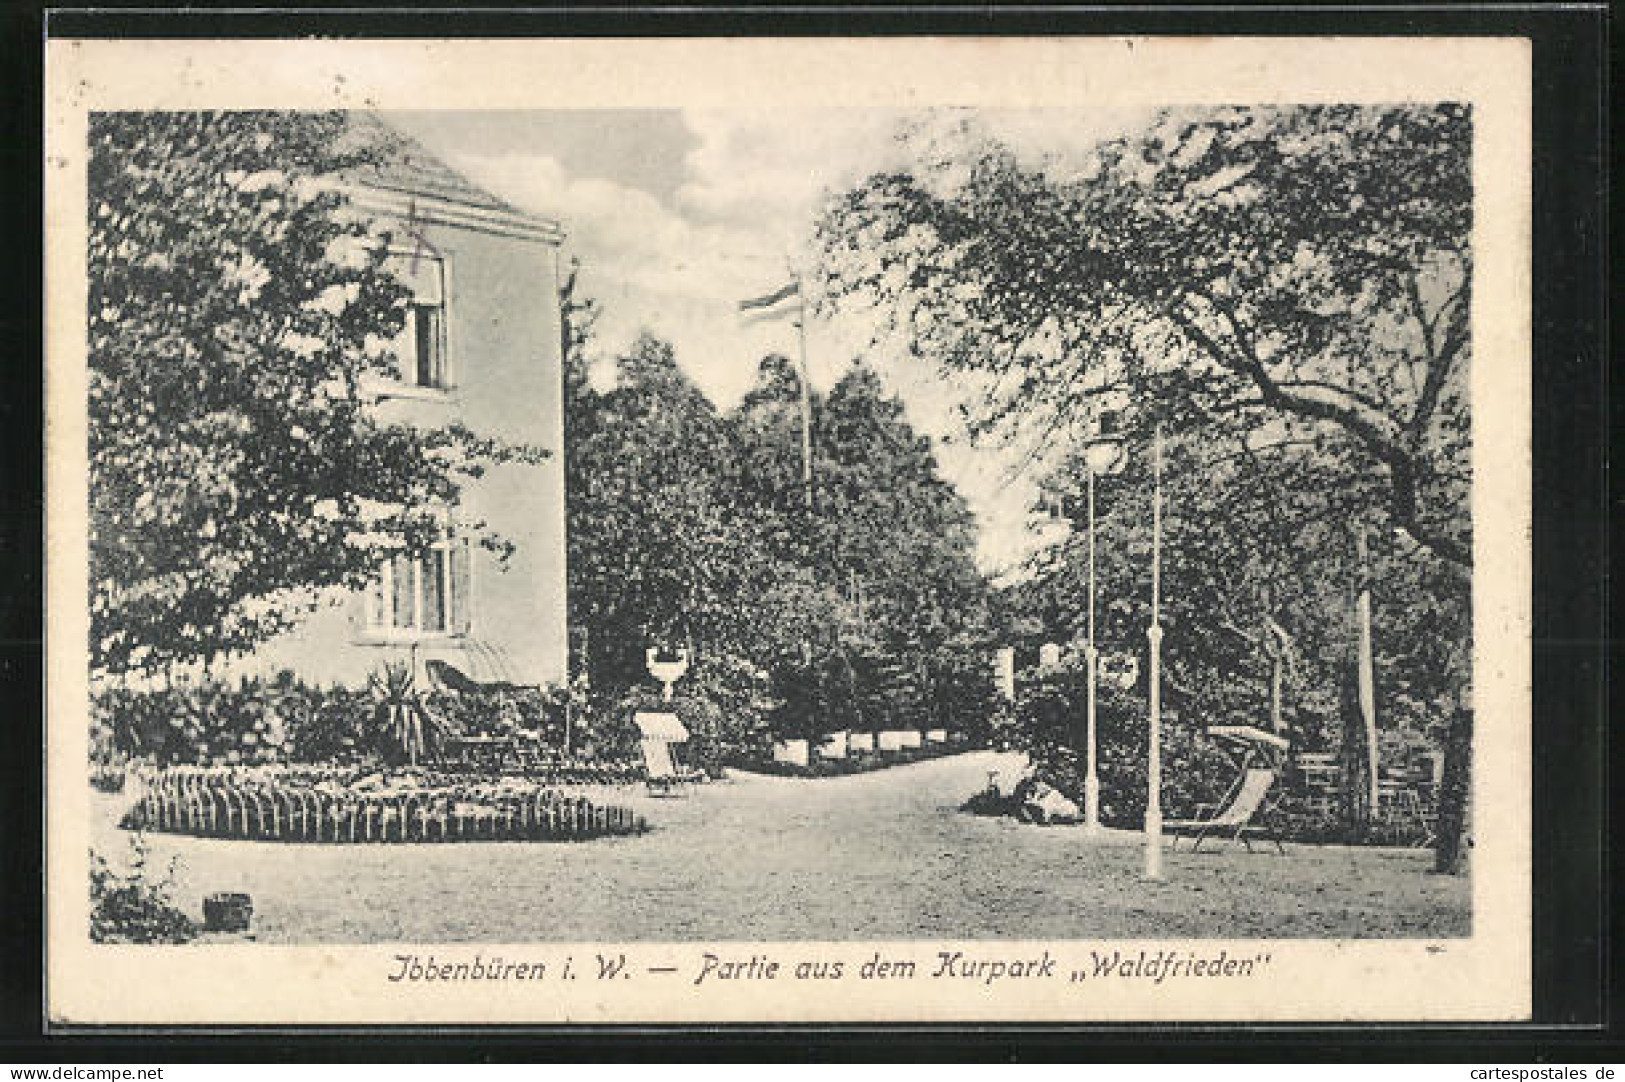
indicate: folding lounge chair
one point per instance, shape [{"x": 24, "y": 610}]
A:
[
  {"x": 658, "y": 731},
  {"x": 662, "y": 778},
  {"x": 1243, "y": 804}
]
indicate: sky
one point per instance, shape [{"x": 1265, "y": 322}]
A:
[{"x": 678, "y": 215}]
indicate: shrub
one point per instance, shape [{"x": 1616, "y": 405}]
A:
[
  {"x": 258, "y": 722},
  {"x": 729, "y": 716},
  {"x": 891, "y": 692},
  {"x": 131, "y": 907},
  {"x": 1049, "y": 723},
  {"x": 604, "y": 728},
  {"x": 991, "y": 802},
  {"x": 330, "y": 726},
  {"x": 1297, "y": 822},
  {"x": 796, "y": 713},
  {"x": 107, "y": 763},
  {"x": 964, "y": 697},
  {"x": 502, "y": 710},
  {"x": 251, "y": 722}
]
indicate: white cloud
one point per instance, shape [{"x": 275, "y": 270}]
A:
[{"x": 767, "y": 169}]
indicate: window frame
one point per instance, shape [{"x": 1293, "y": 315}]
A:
[
  {"x": 381, "y": 592},
  {"x": 399, "y": 386}
]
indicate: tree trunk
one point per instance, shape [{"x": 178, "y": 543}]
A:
[
  {"x": 1368, "y": 675},
  {"x": 1277, "y": 722},
  {"x": 1450, "y": 855},
  {"x": 1355, "y": 789}
]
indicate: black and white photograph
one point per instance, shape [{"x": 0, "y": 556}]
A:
[{"x": 1044, "y": 537}]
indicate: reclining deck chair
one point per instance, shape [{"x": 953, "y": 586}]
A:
[
  {"x": 1236, "y": 815},
  {"x": 658, "y": 731},
  {"x": 446, "y": 676}
]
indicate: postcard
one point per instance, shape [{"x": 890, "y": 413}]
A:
[{"x": 773, "y": 530}]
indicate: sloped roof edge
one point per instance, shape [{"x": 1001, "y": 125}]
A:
[{"x": 408, "y": 180}]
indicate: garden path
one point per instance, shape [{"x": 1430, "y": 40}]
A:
[{"x": 883, "y": 855}]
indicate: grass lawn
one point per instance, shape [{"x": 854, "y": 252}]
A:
[{"x": 883, "y": 855}]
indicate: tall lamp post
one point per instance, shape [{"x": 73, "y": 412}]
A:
[
  {"x": 1153, "y": 797},
  {"x": 1101, "y": 456}
]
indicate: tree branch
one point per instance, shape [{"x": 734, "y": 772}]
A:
[
  {"x": 1399, "y": 457},
  {"x": 1273, "y": 393},
  {"x": 1441, "y": 358}
]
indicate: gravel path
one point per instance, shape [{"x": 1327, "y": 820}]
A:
[{"x": 884, "y": 855}]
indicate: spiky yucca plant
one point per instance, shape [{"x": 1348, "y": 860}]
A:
[{"x": 401, "y": 712}]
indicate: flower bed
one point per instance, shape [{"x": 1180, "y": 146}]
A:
[
  {"x": 330, "y": 804},
  {"x": 524, "y": 755}
]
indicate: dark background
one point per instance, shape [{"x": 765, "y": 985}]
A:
[{"x": 1576, "y": 1019}]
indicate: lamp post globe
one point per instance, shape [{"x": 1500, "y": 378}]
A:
[{"x": 1102, "y": 456}]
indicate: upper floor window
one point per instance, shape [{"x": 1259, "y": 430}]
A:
[{"x": 420, "y": 351}]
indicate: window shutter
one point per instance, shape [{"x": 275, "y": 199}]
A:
[
  {"x": 461, "y": 582},
  {"x": 434, "y": 591},
  {"x": 406, "y": 591},
  {"x": 425, "y": 346},
  {"x": 375, "y": 611},
  {"x": 420, "y": 347}
]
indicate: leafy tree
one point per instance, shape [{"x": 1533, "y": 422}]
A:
[
  {"x": 886, "y": 556},
  {"x": 578, "y": 318},
  {"x": 236, "y": 308},
  {"x": 1306, "y": 269},
  {"x": 1292, "y": 284},
  {"x": 687, "y": 524},
  {"x": 651, "y": 549}
]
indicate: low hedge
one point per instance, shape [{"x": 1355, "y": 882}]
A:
[
  {"x": 854, "y": 762},
  {"x": 328, "y": 806}
]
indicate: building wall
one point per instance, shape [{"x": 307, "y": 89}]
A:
[{"x": 502, "y": 330}]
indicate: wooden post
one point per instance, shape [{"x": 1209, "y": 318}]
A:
[
  {"x": 1367, "y": 671},
  {"x": 806, "y": 403}
]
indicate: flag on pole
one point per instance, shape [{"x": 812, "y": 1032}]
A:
[
  {"x": 779, "y": 304},
  {"x": 782, "y": 302}
]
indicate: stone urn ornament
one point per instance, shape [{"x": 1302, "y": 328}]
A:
[{"x": 668, "y": 669}]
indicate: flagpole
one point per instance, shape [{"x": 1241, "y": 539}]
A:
[
  {"x": 806, "y": 401},
  {"x": 764, "y": 307}
]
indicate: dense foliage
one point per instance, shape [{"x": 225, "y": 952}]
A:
[
  {"x": 1284, "y": 294},
  {"x": 1050, "y": 716},
  {"x": 132, "y": 906},
  {"x": 691, "y": 527},
  {"x": 237, "y": 310},
  {"x": 285, "y": 719}
]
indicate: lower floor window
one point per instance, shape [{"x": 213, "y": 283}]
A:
[{"x": 423, "y": 595}]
